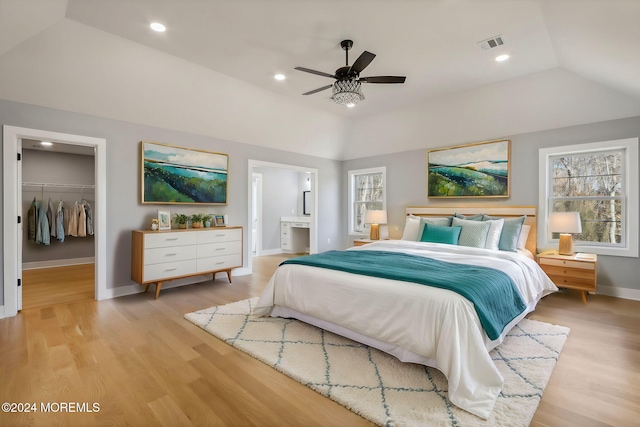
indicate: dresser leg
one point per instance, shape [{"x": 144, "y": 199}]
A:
[
  {"x": 229, "y": 275},
  {"x": 584, "y": 297},
  {"x": 158, "y": 287},
  {"x": 146, "y": 287}
]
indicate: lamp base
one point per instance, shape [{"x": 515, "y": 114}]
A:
[
  {"x": 566, "y": 245},
  {"x": 374, "y": 233}
]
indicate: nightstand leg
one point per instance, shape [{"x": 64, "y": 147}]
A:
[
  {"x": 159, "y": 286},
  {"x": 584, "y": 297}
]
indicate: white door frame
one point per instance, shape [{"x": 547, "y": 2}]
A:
[
  {"x": 258, "y": 198},
  {"x": 313, "y": 226},
  {"x": 12, "y": 186}
]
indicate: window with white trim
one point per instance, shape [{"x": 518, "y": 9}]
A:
[
  {"x": 367, "y": 191},
  {"x": 600, "y": 182}
]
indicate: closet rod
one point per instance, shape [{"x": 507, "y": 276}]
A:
[{"x": 49, "y": 184}]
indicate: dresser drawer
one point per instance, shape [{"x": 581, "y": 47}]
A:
[
  {"x": 169, "y": 254},
  {"x": 221, "y": 235},
  {"x": 162, "y": 240},
  {"x": 568, "y": 263},
  {"x": 169, "y": 269},
  {"x": 217, "y": 249},
  {"x": 219, "y": 262}
]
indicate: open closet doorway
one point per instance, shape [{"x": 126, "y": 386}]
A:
[
  {"x": 58, "y": 198},
  {"x": 281, "y": 197},
  {"x": 17, "y": 143}
]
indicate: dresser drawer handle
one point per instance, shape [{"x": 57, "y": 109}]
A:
[
  {"x": 220, "y": 235},
  {"x": 220, "y": 262},
  {"x": 174, "y": 254},
  {"x": 171, "y": 238},
  {"x": 170, "y": 269},
  {"x": 220, "y": 249}
]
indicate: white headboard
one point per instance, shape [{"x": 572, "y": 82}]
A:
[{"x": 500, "y": 211}]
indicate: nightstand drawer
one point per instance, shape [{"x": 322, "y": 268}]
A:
[
  {"x": 570, "y": 272},
  {"x": 560, "y": 281},
  {"x": 568, "y": 263}
]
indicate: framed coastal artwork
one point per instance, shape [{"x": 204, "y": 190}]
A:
[
  {"x": 474, "y": 170},
  {"x": 176, "y": 175}
]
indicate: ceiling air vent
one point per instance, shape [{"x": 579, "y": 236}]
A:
[{"x": 492, "y": 42}]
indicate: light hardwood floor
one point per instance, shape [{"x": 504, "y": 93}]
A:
[
  {"x": 146, "y": 366},
  {"x": 44, "y": 287}
]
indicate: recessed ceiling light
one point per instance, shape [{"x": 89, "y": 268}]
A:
[
  {"x": 46, "y": 143},
  {"x": 279, "y": 77},
  {"x": 501, "y": 58},
  {"x": 156, "y": 26},
  {"x": 351, "y": 105}
]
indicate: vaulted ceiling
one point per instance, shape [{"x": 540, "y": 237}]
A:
[{"x": 211, "y": 72}]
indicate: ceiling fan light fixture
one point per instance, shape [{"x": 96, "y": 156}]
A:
[{"x": 347, "y": 92}]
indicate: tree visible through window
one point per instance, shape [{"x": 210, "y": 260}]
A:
[
  {"x": 591, "y": 184},
  {"x": 367, "y": 193}
]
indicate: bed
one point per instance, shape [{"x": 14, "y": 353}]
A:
[{"x": 430, "y": 325}]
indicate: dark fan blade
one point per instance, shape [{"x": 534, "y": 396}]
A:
[
  {"x": 320, "y": 73},
  {"x": 383, "y": 79},
  {"x": 362, "y": 62},
  {"x": 317, "y": 90}
]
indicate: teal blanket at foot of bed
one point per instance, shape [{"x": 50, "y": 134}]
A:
[{"x": 494, "y": 295}]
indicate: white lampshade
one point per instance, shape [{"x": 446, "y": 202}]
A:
[
  {"x": 375, "y": 217},
  {"x": 565, "y": 222}
]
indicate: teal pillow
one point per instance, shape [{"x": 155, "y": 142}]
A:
[
  {"x": 510, "y": 232},
  {"x": 440, "y": 234},
  {"x": 477, "y": 217},
  {"x": 444, "y": 221},
  {"x": 474, "y": 233}
]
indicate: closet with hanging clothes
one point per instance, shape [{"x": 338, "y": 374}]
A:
[{"x": 58, "y": 242}]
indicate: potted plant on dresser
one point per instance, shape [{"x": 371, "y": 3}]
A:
[
  {"x": 181, "y": 219},
  {"x": 206, "y": 220},
  {"x": 196, "y": 220}
]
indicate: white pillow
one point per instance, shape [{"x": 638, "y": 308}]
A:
[
  {"x": 524, "y": 233},
  {"x": 493, "y": 237},
  {"x": 411, "y": 228},
  {"x": 473, "y": 233}
]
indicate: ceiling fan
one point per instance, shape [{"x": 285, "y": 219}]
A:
[{"x": 346, "y": 89}]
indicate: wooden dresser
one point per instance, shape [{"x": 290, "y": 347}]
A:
[{"x": 159, "y": 256}]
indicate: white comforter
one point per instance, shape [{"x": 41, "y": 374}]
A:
[{"x": 418, "y": 323}]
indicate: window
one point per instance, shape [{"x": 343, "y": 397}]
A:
[
  {"x": 599, "y": 181},
  {"x": 367, "y": 190}
]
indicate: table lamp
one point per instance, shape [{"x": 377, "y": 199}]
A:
[
  {"x": 375, "y": 218},
  {"x": 565, "y": 223}
]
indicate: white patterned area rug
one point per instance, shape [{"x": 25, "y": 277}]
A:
[{"x": 378, "y": 386}]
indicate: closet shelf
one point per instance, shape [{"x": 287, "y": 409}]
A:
[{"x": 50, "y": 184}]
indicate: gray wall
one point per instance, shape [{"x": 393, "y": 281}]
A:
[
  {"x": 62, "y": 168},
  {"x": 407, "y": 173},
  {"x": 124, "y": 210}
]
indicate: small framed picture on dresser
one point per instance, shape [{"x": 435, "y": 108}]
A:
[
  {"x": 219, "y": 220},
  {"x": 164, "y": 220}
]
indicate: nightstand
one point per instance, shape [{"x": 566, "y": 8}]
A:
[
  {"x": 578, "y": 271},
  {"x": 362, "y": 242}
]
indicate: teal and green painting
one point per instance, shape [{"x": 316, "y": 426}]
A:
[
  {"x": 477, "y": 170},
  {"x": 181, "y": 175}
]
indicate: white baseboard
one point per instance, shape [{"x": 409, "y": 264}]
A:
[
  {"x": 57, "y": 263},
  {"x": 1, "y": 311},
  {"x": 613, "y": 291}
]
